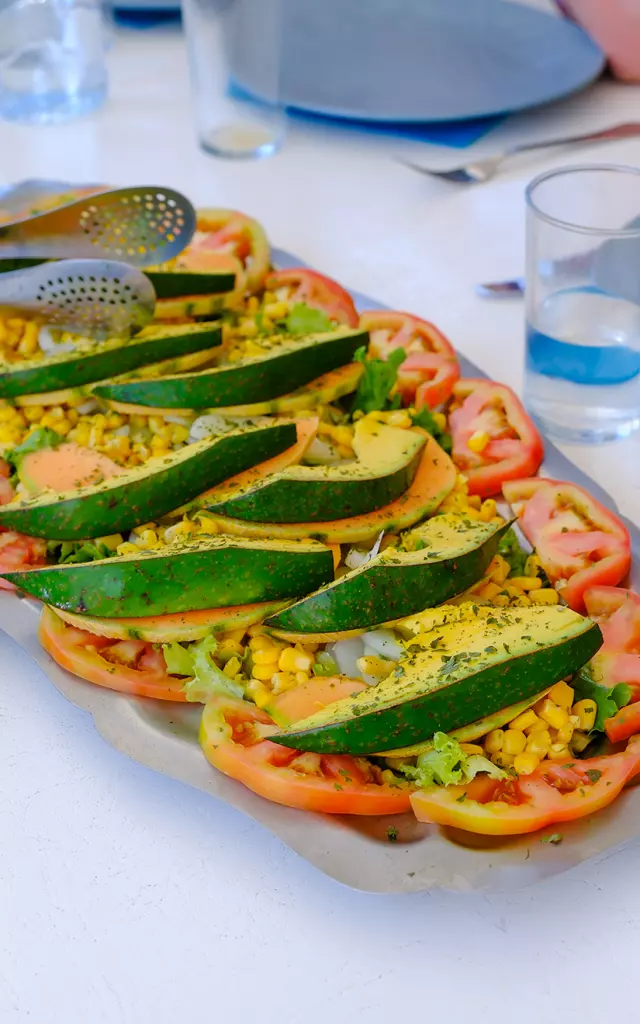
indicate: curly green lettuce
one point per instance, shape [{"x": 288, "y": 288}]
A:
[
  {"x": 196, "y": 661},
  {"x": 447, "y": 764}
]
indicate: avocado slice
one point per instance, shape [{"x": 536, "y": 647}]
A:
[
  {"x": 142, "y": 494},
  {"x": 475, "y": 661},
  {"x": 173, "y": 284},
  {"x": 99, "y": 360},
  {"x": 434, "y": 562},
  {"x": 215, "y": 572},
  {"x": 283, "y": 366},
  {"x": 387, "y": 461}
]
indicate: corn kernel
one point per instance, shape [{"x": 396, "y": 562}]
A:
[
  {"x": 521, "y": 602},
  {"x": 586, "y": 711},
  {"x": 399, "y": 418},
  {"x": 207, "y": 525},
  {"x": 524, "y": 721},
  {"x": 489, "y": 591},
  {"x": 493, "y": 741},
  {"x": 538, "y": 726},
  {"x": 149, "y": 538},
  {"x": 503, "y": 760},
  {"x": 258, "y": 693},
  {"x": 562, "y": 695},
  {"x": 282, "y": 681},
  {"x": 229, "y": 648},
  {"x": 266, "y": 656},
  {"x": 478, "y": 441},
  {"x": 292, "y": 660},
  {"x": 179, "y": 433},
  {"x": 546, "y": 596},
  {"x": 512, "y": 591},
  {"x": 558, "y": 752},
  {"x": 514, "y": 742},
  {"x": 580, "y": 741},
  {"x": 232, "y": 667},
  {"x": 499, "y": 569},
  {"x": 526, "y": 583},
  {"x": 343, "y": 435},
  {"x": 258, "y": 641},
  {"x": 565, "y": 733},
  {"x": 488, "y": 510},
  {"x": 127, "y": 548},
  {"x": 532, "y": 565},
  {"x": 501, "y": 601},
  {"x": 555, "y": 716},
  {"x": 475, "y": 502},
  {"x": 539, "y": 743},
  {"x": 440, "y": 420},
  {"x": 526, "y": 763},
  {"x": 264, "y": 672},
  {"x": 370, "y": 665},
  {"x": 302, "y": 677},
  {"x": 471, "y": 749}
]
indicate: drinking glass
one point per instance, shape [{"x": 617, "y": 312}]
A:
[
  {"x": 235, "y": 50},
  {"x": 582, "y": 379},
  {"x": 52, "y": 59}
]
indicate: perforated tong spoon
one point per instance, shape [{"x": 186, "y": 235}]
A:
[
  {"x": 142, "y": 226},
  {"x": 99, "y": 298}
]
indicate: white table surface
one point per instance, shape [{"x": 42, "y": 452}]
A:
[{"x": 127, "y": 897}]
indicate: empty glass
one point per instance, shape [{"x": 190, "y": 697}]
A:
[
  {"x": 52, "y": 60},
  {"x": 582, "y": 378},
  {"x": 235, "y": 49}
]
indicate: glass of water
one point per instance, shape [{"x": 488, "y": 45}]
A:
[
  {"x": 52, "y": 59},
  {"x": 582, "y": 377},
  {"x": 235, "y": 51}
]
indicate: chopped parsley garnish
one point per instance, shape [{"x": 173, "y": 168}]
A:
[
  {"x": 377, "y": 382},
  {"x": 555, "y": 838},
  {"x": 302, "y": 319},
  {"x": 392, "y": 834},
  {"x": 593, "y": 774},
  {"x": 509, "y": 548},
  {"x": 425, "y": 419}
]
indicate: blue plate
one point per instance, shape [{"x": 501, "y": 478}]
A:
[{"x": 417, "y": 60}]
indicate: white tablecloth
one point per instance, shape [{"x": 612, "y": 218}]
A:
[{"x": 126, "y": 897}]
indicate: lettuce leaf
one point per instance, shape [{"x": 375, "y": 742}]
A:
[
  {"x": 324, "y": 665},
  {"x": 424, "y": 418},
  {"x": 609, "y": 699},
  {"x": 302, "y": 319},
  {"x": 448, "y": 765},
  {"x": 196, "y": 661},
  {"x": 377, "y": 381},
  {"x": 509, "y": 548},
  {"x": 70, "y": 552}
]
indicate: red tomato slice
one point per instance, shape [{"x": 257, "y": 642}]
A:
[
  {"x": 428, "y": 374},
  {"x": 512, "y": 446},
  {"x": 230, "y": 233},
  {"x": 301, "y": 285},
  {"x": 129, "y": 666},
  {"x": 618, "y": 660},
  {"x": 6, "y": 490},
  {"x": 17, "y": 551},
  {"x": 234, "y": 738},
  {"x": 577, "y": 538},
  {"x": 552, "y": 794}
]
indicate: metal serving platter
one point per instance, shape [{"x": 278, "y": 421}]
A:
[{"x": 354, "y": 851}]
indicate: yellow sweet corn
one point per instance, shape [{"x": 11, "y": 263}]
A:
[
  {"x": 539, "y": 743},
  {"x": 554, "y": 715},
  {"x": 282, "y": 681},
  {"x": 472, "y": 748},
  {"x": 527, "y": 583},
  {"x": 294, "y": 660},
  {"x": 532, "y": 565},
  {"x": 559, "y": 752},
  {"x": 514, "y": 742},
  {"x": 266, "y": 656},
  {"x": 562, "y": 694},
  {"x": 526, "y": 763},
  {"x": 478, "y": 441},
  {"x": 524, "y": 720},
  {"x": 503, "y": 760},
  {"x": 493, "y": 741},
  {"x": 545, "y": 596},
  {"x": 264, "y": 672},
  {"x": 585, "y": 711},
  {"x": 229, "y": 648},
  {"x": 232, "y": 667},
  {"x": 499, "y": 569},
  {"x": 127, "y": 548},
  {"x": 258, "y": 693},
  {"x": 488, "y": 510},
  {"x": 580, "y": 741},
  {"x": 370, "y": 665}
]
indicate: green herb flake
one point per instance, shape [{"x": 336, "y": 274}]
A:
[
  {"x": 554, "y": 838},
  {"x": 392, "y": 834},
  {"x": 593, "y": 774}
]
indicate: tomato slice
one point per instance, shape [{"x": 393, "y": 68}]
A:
[
  {"x": 618, "y": 660},
  {"x": 6, "y": 490},
  {"x": 17, "y": 550},
  {"x": 552, "y": 794},
  {"x": 234, "y": 737},
  {"x": 129, "y": 666},
  {"x": 230, "y": 233},
  {"x": 494, "y": 416},
  {"x": 428, "y": 374},
  {"x": 577, "y": 538},
  {"x": 299, "y": 284}
]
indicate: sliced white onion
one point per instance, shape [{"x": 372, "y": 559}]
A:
[
  {"x": 345, "y": 653},
  {"x": 182, "y": 421},
  {"x": 321, "y": 453},
  {"x": 50, "y": 343},
  {"x": 355, "y": 558},
  {"x": 122, "y": 431},
  {"x": 88, "y": 407},
  {"x": 384, "y": 643},
  {"x": 209, "y": 426}
]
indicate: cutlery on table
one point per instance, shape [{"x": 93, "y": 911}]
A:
[
  {"x": 478, "y": 171},
  {"x": 144, "y": 226},
  {"x": 99, "y": 298}
]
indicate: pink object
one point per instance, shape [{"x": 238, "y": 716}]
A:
[{"x": 615, "y": 26}]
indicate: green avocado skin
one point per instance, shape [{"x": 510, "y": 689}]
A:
[
  {"x": 452, "y": 705},
  {"x": 288, "y": 500},
  {"x": 106, "y": 361},
  {"x": 174, "y": 284},
  {"x": 242, "y": 383},
  {"x": 140, "y": 499},
  {"x": 386, "y": 592},
  {"x": 186, "y": 581}
]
